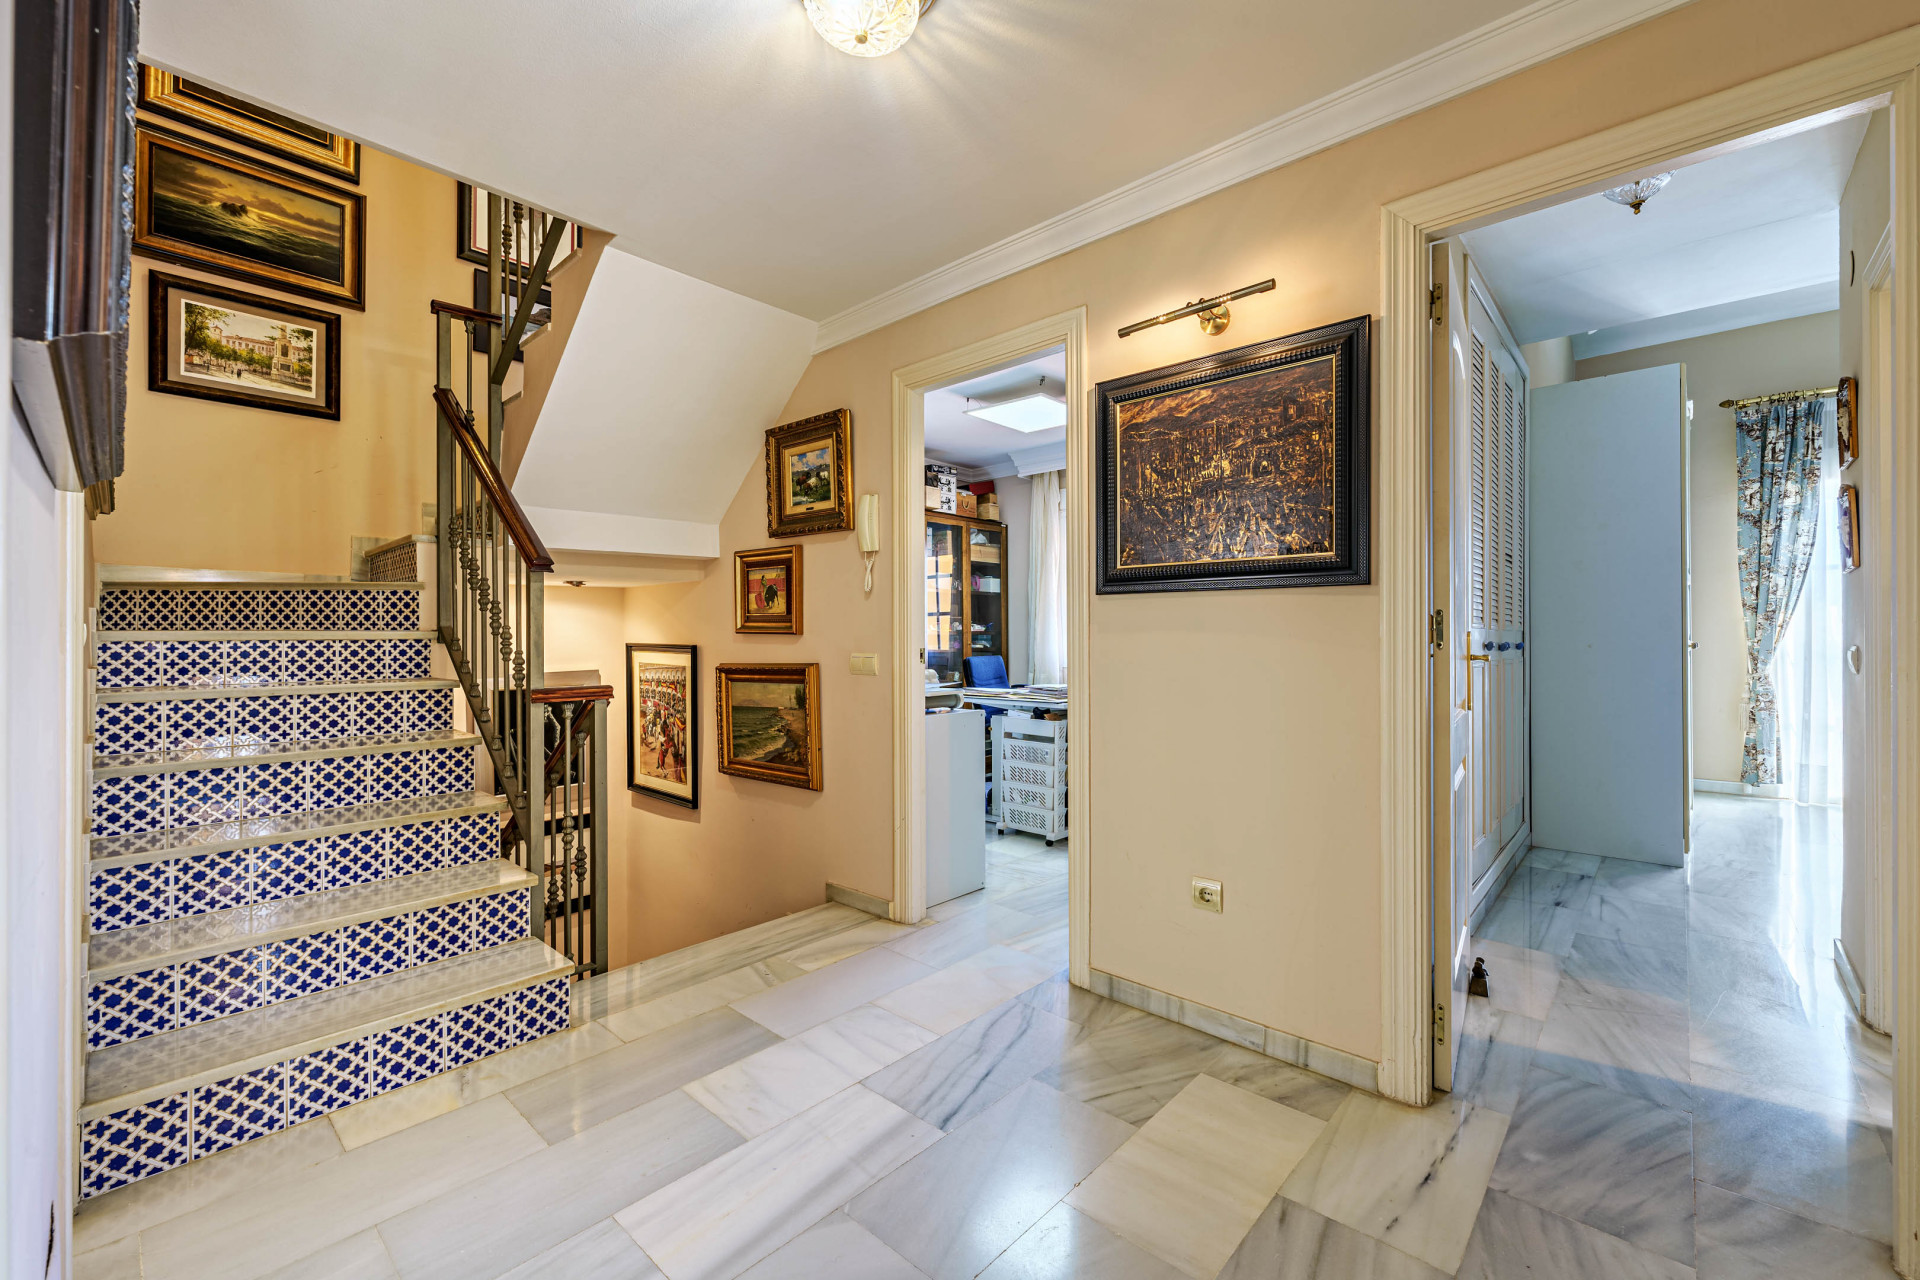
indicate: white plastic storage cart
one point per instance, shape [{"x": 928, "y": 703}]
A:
[{"x": 1030, "y": 775}]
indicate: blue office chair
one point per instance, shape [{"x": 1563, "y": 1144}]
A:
[{"x": 986, "y": 673}]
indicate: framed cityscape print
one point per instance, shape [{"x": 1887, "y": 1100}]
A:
[
  {"x": 809, "y": 476},
  {"x": 1849, "y": 528},
  {"x": 1846, "y": 400},
  {"x": 766, "y": 591},
  {"x": 197, "y": 204},
  {"x": 261, "y": 128},
  {"x": 770, "y": 722},
  {"x": 470, "y": 233},
  {"x": 1242, "y": 469},
  {"x": 216, "y": 343},
  {"x": 663, "y": 724}
]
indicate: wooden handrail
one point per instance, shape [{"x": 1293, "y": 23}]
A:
[
  {"x": 573, "y": 693},
  {"x": 440, "y": 308},
  {"x": 532, "y": 550}
]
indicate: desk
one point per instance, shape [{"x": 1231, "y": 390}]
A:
[
  {"x": 1026, "y": 701},
  {"x": 1029, "y": 760}
]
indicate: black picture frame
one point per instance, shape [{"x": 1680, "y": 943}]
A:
[
  {"x": 1347, "y": 346},
  {"x": 691, "y": 718},
  {"x": 163, "y": 377}
]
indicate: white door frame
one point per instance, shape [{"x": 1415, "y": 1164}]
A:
[
  {"x": 1068, "y": 329},
  {"x": 1877, "y": 277},
  {"x": 1887, "y": 68}
]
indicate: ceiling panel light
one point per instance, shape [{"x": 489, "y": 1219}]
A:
[
  {"x": 866, "y": 28},
  {"x": 1040, "y": 409}
]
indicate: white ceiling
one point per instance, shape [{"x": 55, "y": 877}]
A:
[
  {"x": 723, "y": 139},
  {"x": 1759, "y": 222},
  {"x": 955, "y": 436}
]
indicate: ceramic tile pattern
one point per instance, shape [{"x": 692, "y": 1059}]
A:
[{"x": 1056, "y": 1133}]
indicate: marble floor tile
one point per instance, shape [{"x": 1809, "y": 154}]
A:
[
  {"x": 1077, "y": 1004},
  {"x": 544, "y": 1056},
  {"x": 1046, "y": 899},
  {"x": 851, "y": 942},
  {"x": 779, "y": 1082},
  {"x": 359, "y": 1257},
  {"x": 954, "y": 1207},
  {"x": 250, "y": 1230},
  {"x": 402, "y": 1108},
  {"x": 1196, "y": 1177},
  {"x": 1292, "y": 1242},
  {"x": 1495, "y": 1054},
  {"x": 1643, "y": 881},
  {"x": 953, "y": 908},
  {"x": 1810, "y": 1160},
  {"x": 961, "y": 992},
  {"x": 1617, "y": 918},
  {"x": 1583, "y": 864},
  {"x": 119, "y": 1260},
  {"x": 1411, "y": 1177},
  {"x": 811, "y": 999},
  {"x": 496, "y": 1222},
  {"x": 721, "y": 1219},
  {"x": 1520, "y": 979},
  {"x": 1619, "y": 1164},
  {"x": 943, "y": 943},
  {"x": 1542, "y": 886},
  {"x": 649, "y": 1016},
  {"x": 1512, "y": 1239},
  {"x": 1642, "y": 1054},
  {"x": 1276, "y": 1081},
  {"x": 1049, "y": 943},
  {"x": 836, "y": 1246},
  {"x": 602, "y": 1252},
  {"x": 1131, "y": 1069},
  {"x": 1067, "y": 1245},
  {"x": 964, "y": 1072},
  {"x": 1616, "y": 975},
  {"x": 1749, "y": 915},
  {"x": 1750, "y": 969},
  {"x": 1773, "y": 1044},
  {"x": 1535, "y": 926},
  {"x": 576, "y": 1098},
  {"x": 1742, "y": 1239}
]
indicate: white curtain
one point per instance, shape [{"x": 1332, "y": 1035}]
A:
[
  {"x": 1806, "y": 667},
  {"x": 1047, "y": 580}
]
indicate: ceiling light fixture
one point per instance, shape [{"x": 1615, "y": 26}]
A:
[
  {"x": 1021, "y": 408},
  {"x": 1635, "y": 194},
  {"x": 866, "y": 28}
]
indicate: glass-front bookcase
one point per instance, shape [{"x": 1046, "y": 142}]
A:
[{"x": 966, "y": 592}]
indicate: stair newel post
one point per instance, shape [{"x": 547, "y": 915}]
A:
[{"x": 600, "y": 851}]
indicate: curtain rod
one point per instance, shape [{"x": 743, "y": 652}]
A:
[{"x": 1809, "y": 393}]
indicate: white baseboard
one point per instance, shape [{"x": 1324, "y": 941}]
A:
[
  {"x": 1850, "y": 980},
  {"x": 1769, "y": 791},
  {"x": 861, "y": 901}
]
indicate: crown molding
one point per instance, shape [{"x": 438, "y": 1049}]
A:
[{"x": 1534, "y": 34}]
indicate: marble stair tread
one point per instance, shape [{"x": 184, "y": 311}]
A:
[
  {"x": 176, "y": 759},
  {"x": 148, "y": 637},
  {"x": 138, "y": 1071},
  {"x": 184, "y": 693},
  {"x": 195, "y": 578},
  {"x": 167, "y": 942},
  {"x": 153, "y": 846}
]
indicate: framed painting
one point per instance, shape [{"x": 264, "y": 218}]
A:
[
  {"x": 470, "y": 234},
  {"x": 809, "y": 475},
  {"x": 766, "y": 591},
  {"x": 663, "y": 733},
  {"x": 1849, "y": 528},
  {"x": 261, "y": 128},
  {"x": 770, "y": 722},
  {"x": 215, "y": 343},
  {"x": 197, "y": 204},
  {"x": 1846, "y": 400},
  {"x": 1237, "y": 470}
]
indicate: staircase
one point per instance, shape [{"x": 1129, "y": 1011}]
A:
[{"x": 296, "y": 898}]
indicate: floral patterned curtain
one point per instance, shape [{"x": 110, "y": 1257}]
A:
[{"x": 1777, "y": 452}]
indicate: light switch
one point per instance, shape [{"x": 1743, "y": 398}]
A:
[{"x": 863, "y": 664}]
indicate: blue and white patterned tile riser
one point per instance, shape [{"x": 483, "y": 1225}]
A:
[
  {"x": 133, "y": 1005},
  {"x": 251, "y": 664},
  {"x": 120, "y": 728},
  {"x": 164, "y": 1134},
  {"x": 259, "y": 609}
]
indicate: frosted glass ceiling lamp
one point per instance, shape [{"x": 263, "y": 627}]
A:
[
  {"x": 866, "y": 28},
  {"x": 1024, "y": 409},
  {"x": 1635, "y": 194}
]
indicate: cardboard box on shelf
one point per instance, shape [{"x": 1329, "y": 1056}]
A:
[{"x": 969, "y": 505}]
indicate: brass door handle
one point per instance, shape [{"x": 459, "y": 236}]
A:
[{"x": 1471, "y": 659}]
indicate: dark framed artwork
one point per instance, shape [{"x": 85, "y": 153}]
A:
[
  {"x": 261, "y": 128},
  {"x": 1846, "y": 402},
  {"x": 767, "y": 596},
  {"x": 810, "y": 475},
  {"x": 470, "y": 233},
  {"x": 217, "y": 343},
  {"x": 206, "y": 207},
  {"x": 770, "y": 722},
  {"x": 1244, "y": 469},
  {"x": 663, "y": 723},
  {"x": 1849, "y": 528}
]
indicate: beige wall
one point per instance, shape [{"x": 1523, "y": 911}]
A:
[
  {"x": 1782, "y": 356},
  {"x": 218, "y": 486}
]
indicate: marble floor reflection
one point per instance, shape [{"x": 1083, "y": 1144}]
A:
[{"x": 1665, "y": 1082}]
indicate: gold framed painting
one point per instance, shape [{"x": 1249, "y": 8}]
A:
[
  {"x": 217, "y": 343},
  {"x": 770, "y": 722},
  {"x": 1846, "y": 399},
  {"x": 663, "y": 722},
  {"x": 1849, "y": 528},
  {"x": 204, "y": 206},
  {"x": 810, "y": 475},
  {"x": 261, "y": 128},
  {"x": 766, "y": 591}
]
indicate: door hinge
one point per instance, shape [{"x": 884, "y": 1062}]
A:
[
  {"x": 1437, "y": 629},
  {"x": 1439, "y": 1025},
  {"x": 1437, "y": 303}
]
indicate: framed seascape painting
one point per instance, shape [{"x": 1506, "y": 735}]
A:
[
  {"x": 663, "y": 734},
  {"x": 197, "y": 204},
  {"x": 261, "y": 128},
  {"x": 809, "y": 476},
  {"x": 766, "y": 591},
  {"x": 1242, "y": 469},
  {"x": 215, "y": 343},
  {"x": 770, "y": 722},
  {"x": 470, "y": 230}
]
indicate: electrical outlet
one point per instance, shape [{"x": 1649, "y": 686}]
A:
[{"x": 1206, "y": 894}]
